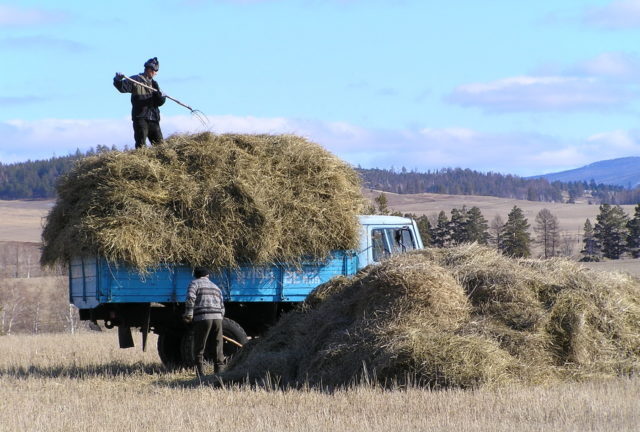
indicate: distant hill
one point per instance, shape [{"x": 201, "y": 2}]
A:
[{"x": 623, "y": 172}]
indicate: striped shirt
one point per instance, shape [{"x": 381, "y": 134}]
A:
[{"x": 204, "y": 301}]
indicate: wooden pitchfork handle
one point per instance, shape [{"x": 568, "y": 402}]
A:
[
  {"x": 155, "y": 90},
  {"x": 228, "y": 339}
]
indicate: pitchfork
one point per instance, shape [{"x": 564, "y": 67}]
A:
[{"x": 197, "y": 113}]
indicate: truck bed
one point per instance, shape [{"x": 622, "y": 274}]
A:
[{"x": 94, "y": 281}]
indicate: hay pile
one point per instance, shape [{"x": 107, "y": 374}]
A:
[
  {"x": 215, "y": 200},
  {"x": 461, "y": 317}
]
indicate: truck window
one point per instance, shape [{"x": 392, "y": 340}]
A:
[
  {"x": 379, "y": 245},
  {"x": 400, "y": 240},
  {"x": 388, "y": 241},
  {"x": 403, "y": 240}
]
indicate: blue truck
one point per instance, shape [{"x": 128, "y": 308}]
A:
[{"x": 255, "y": 296}]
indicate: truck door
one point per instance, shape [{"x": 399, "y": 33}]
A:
[{"x": 391, "y": 241}]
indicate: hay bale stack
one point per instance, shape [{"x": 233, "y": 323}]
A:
[
  {"x": 451, "y": 318},
  {"x": 374, "y": 317},
  {"x": 205, "y": 199}
]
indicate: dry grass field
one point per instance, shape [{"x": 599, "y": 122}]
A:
[
  {"x": 83, "y": 382},
  {"x": 571, "y": 217},
  {"x": 21, "y": 221}
]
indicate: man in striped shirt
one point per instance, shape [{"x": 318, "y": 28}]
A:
[{"x": 204, "y": 307}]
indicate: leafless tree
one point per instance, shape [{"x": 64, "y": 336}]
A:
[
  {"x": 568, "y": 242},
  {"x": 547, "y": 232},
  {"x": 496, "y": 228},
  {"x": 72, "y": 319},
  {"x": 14, "y": 303},
  {"x": 36, "y": 317}
]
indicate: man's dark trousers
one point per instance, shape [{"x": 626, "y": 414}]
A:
[
  {"x": 201, "y": 331},
  {"x": 143, "y": 128}
]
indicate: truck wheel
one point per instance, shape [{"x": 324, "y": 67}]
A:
[
  {"x": 169, "y": 349},
  {"x": 234, "y": 331},
  {"x": 230, "y": 329}
]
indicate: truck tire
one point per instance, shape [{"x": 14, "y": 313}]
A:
[
  {"x": 230, "y": 329},
  {"x": 234, "y": 331},
  {"x": 169, "y": 349}
]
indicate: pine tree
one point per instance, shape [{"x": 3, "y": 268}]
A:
[
  {"x": 440, "y": 234},
  {"x": 633, "y": 238},
  {"x": 382, "y": 203},
  {"x": 516, "y": 238},
  {"x": 424, "y": 228},
  {"x": 547, "y": 232},
  {"x": 458, "y": 226},
  {"x": 590, "y": 250},
  {"x": 611, "y": 231},
  {"x": 477, "y": 227}
]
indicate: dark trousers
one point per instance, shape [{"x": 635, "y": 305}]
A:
[
  {"x": 143, "y": 129},
  {"x": 201, "y": 331}
]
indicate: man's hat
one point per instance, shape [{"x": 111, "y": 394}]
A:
[
  {"x": 199, "y": 272},
  {"x": 152, "y": 63}
]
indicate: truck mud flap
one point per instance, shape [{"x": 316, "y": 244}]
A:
[{"x": 124, "y": 337}]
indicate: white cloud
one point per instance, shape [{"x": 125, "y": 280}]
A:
[
  {"x": 610, "y": 64},
  {"x": 604, "y": 82},
  {"x": 621, "y": 14},
  {"x": 457, "y": 134},
  {"x": 422, "y": 149},
  {"x": 615, "y": 142},
  {"x": 546, "y": 93},
  {"x": 21, "y": 16}
]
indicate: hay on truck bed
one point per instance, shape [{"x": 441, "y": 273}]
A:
[
  {"x": 461, "y": 317},
  {"x": 205, "y": 199}
]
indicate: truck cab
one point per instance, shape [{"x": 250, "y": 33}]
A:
[
  {"x": 255, "y": 296},
  {"x": 383, "y": 236}
]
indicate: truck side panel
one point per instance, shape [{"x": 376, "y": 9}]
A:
[
  {"x": 95, "y": 281},
  {"x": 83, "y": 282},
  {"x": 298, "y": 283}
]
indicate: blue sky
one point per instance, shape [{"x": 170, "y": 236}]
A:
[{"x": 497, "y": 85}]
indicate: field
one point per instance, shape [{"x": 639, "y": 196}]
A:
[
  {"x": 21, "y": 221},
  {"x": 84, "y": 382},
  {"x": 63, "y": 382},
  {"x": 571, "y": 217}
]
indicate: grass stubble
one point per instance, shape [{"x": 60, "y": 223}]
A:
[{"x": 83, "y": 382}]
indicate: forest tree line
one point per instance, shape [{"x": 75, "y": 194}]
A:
[
  {"x": 37, "y": 180},
  {"x": 457, "y": 181}
]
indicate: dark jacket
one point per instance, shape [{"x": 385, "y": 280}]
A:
[
  {"x": 144, "y": 102},
  {"x": 204, "y": 300}
]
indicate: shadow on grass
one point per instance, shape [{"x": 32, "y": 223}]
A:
[
  {"x": 115, "y": 369},
  {"x": 187, "y": 378}
]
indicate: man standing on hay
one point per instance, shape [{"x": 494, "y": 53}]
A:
[
  {"x": 145, "y": 102},
  {"x": 204, "y": 307}
]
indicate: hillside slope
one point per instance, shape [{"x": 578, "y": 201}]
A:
[{"x": 621, "y": 172}]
